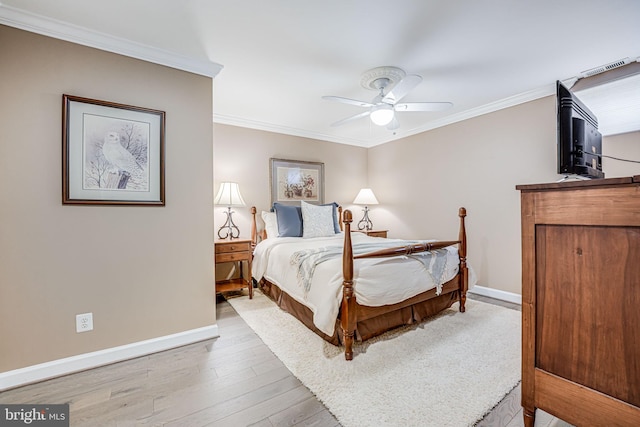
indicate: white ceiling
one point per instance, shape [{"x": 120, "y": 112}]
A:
[
  {"x": 616, "y": 104},
  {"x": 280, "y": 57}
]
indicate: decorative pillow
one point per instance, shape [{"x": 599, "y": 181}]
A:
[
  {"x": 317, "y": 221},
  {"x": 289, "y": 220},
  {"x": 270, "y": 223},
  {"x": 336, "y": 219}
]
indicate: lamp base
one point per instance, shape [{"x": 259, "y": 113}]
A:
[
  {"x": 365, "y": 223},
  {"x": 232, "y": 231}
]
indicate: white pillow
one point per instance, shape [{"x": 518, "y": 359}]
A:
[
  {"x": 270, "y": 223},
  {"x": 317, "y": 221}
]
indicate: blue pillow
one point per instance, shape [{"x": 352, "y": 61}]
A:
[{"x": 289, "y": 220}]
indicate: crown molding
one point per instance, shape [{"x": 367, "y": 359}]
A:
[
  {"x": 511, "y": 101},
  {"x": 27, "y": 21},
  {"x": 39, "y": 24},
  {"x": 463, "y": 115},
  {"x": 270, "y": 127}
]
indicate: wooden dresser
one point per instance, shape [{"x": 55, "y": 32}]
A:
[{"x": 581, "y": 301}]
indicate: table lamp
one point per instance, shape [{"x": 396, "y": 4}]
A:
[
  {"x": 229, "y": 196},
  {"x": 365, "y": 197}
]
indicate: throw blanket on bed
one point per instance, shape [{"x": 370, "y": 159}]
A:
[{"x": 435, "y": 262}]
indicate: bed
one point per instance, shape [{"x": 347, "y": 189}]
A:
[{"x": 348, "y": 286}]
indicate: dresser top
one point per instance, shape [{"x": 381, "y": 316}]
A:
[{"x": 587, "y": 183}]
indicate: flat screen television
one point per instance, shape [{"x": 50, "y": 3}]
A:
[{"x": 579, "y": 142}]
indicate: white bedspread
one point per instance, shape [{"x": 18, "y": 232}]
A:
[{"x": 377, "y": 281}]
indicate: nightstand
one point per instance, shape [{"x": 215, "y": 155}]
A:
[
  {"x": 374, "y": 233},
  {"x": 235, "y": 250}
]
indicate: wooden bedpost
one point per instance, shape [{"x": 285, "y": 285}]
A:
[
  {"x": 462, "y": 253},
  {"x": 254, "y": 228},
  {"x": 348, "y": 298}
]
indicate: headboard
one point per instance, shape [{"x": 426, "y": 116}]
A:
[{"x": 259, "y": 235}]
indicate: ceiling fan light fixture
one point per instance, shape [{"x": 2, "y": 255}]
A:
[
  {"x": 382, "y": 114},
  {"x": 392, "y": 85}
]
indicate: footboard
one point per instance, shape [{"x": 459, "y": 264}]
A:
[{"x": 349, "y": 314}]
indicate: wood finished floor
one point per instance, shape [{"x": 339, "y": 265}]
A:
[{"x": 234, "y": 380}]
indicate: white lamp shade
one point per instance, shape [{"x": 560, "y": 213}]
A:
[
  {"x": 229, "y": 195},
  {"x": 365, "y": 197},
  {"x": 382, "y": 115}
]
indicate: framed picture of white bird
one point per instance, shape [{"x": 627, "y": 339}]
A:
[{"x": 113, "y": 154}]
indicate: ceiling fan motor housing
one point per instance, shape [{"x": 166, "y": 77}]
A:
[{"x": 380, "y": 77}]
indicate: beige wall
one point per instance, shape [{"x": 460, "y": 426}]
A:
[
  {"x": 144, "y": 272},
  {"x": 242, "y": 155},
  {"x": 624, "y": 146},
  {"x": 421, "y": 181}
]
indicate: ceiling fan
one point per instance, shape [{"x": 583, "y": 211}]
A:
[{"x": 383, "y": 107}]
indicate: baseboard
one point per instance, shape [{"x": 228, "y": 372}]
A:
[
  {"x": 81, "y": 362},
  {"x": 497, "y": 294}
]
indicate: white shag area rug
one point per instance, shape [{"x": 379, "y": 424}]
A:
[{"x": 448, "y": 371}]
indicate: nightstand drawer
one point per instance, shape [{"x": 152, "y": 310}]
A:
[
  {"x": 232, "y": 256},
  {"x": 233, "y": 247},
  {"x": 234, "y": 251}
]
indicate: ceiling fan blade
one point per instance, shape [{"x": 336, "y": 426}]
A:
[
  {"x": 402, "y": 88},
  {"x": 350, "y": 119},
  {"x": 423, "y": 106},
  {"x": 394, "y": 124},
  {"x": 348, "y": 101}
]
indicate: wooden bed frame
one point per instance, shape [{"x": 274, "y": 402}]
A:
[{"x": 361, "y": 322}]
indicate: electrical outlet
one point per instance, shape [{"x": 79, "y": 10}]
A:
[{"x": 84, "y": 322}]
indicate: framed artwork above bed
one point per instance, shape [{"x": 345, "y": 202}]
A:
[{"x": 293, "y": 181}]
